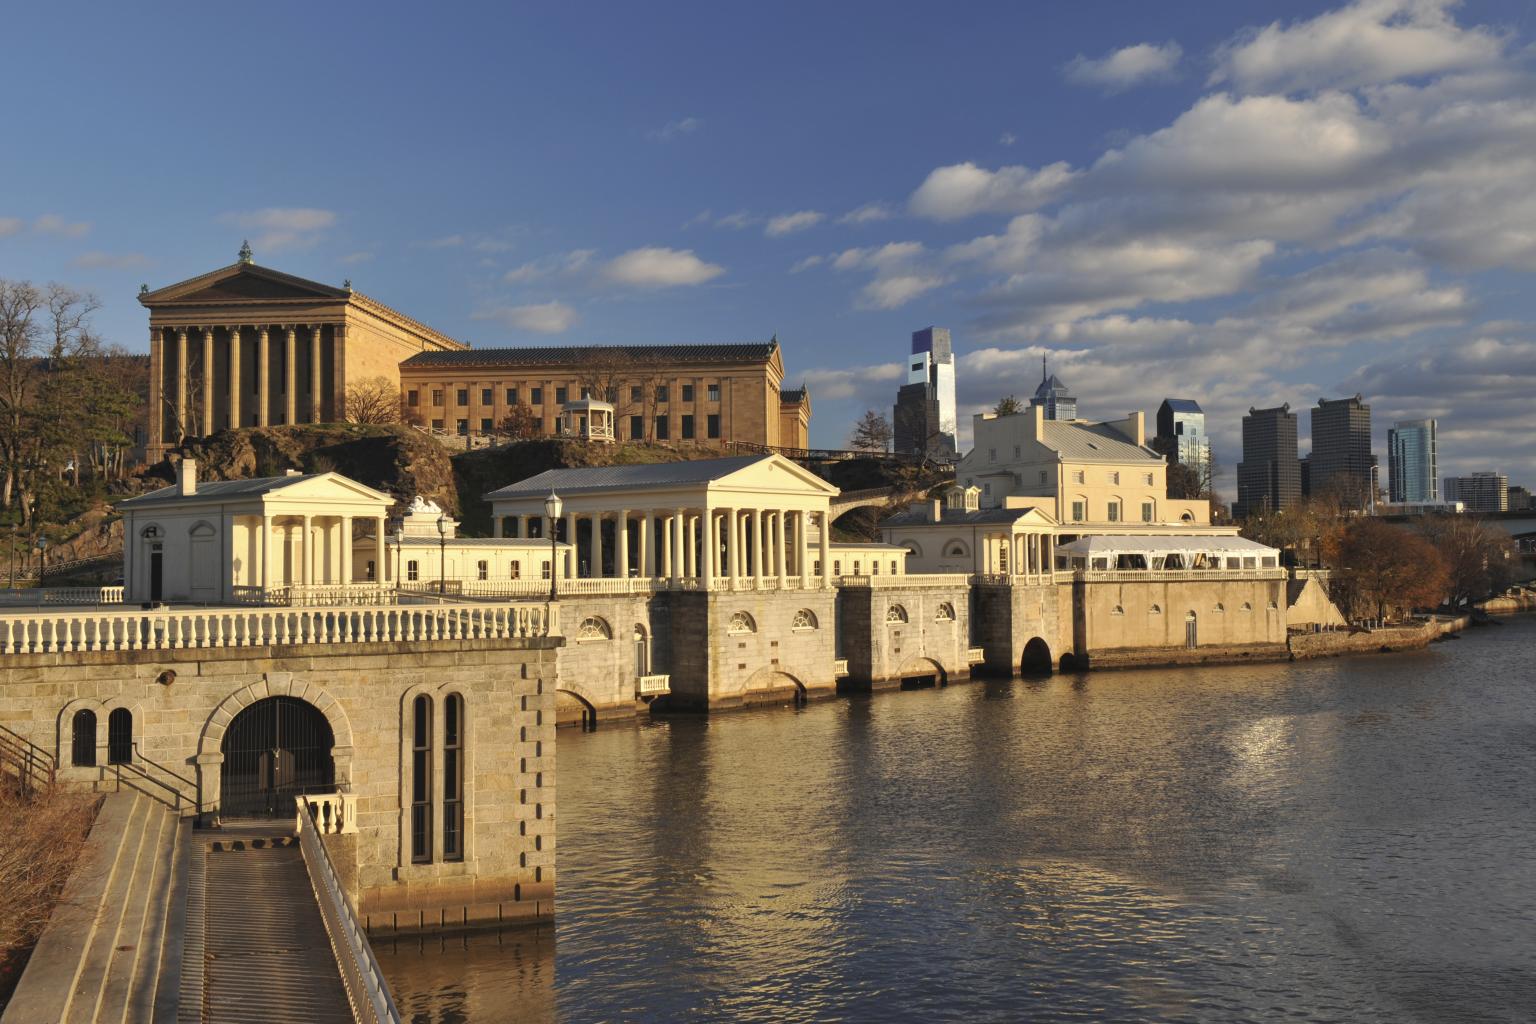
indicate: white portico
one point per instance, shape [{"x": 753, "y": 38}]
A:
[
  {"x": 278, "y": 539},
  {"x": 755, "y": 522}
]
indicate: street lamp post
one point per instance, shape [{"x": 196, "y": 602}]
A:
[
  {"x": 399, "y": 565},
  {"x": 442, "y": 554},
  {"x": 42, "y": 562},
  {"x": 552, "y": 509}
]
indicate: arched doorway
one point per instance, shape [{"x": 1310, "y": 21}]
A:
[
  {"x": 1037, "y": 658},
  {"x": 1191, "y": 630},
  {"x": 921, "y": 673},
  {"x": 274, "y": 750}
]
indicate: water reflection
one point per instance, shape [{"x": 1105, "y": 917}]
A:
[{"x": 1343, "y": 840}]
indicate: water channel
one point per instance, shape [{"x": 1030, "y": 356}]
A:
[{"x": 1347, "y": 840}]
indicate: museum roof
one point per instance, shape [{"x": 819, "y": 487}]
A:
[
  {"x": 565, "y": 355},
  {"x": 605, "y": 478},
  {"x": 1077, "y": 441}
]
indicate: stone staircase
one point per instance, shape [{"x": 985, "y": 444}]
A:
[{"x": 118, "y": 929}]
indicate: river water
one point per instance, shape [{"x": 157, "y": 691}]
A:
[{"x": 1347, "y": 840}]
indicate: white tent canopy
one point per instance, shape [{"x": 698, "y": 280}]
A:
[{"x": 1157, "y": 551}]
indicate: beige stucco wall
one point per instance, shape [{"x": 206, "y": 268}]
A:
[
  {"x": 1122, "y": 614},
  {"x": 1312, "y": 605}
]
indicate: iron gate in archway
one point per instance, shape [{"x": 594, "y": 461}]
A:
[{"x": 275, "y": 750}]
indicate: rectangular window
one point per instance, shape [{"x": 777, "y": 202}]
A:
[
  {"x": 511, "y": 396},
  {"x": 712, "y": 392},
  {"x": 712, "y": 424},
  {"x": 486, "y": 426},
  {"x": 515, "y": 570},
  {"x": 991, "y": 454},
  {"x": 1042, "y": 476},
  {"x": 487, "y": 396},
  {"x": 437, "y": 424},
  {"x": 1077, "y": 476},
  {"x": 687, "y": 392},
  {"x": 1017, "y": 452},
  {"x": 372, "y": 570},
  {"x": 462, "y": 426},
  {"x": 421, "y": 781},
  {"x": 662, "y": 391},
  {"x": 560, "y": 394},
  {"x": 453, "y": 778},
  {"x": 1146, "y": 511},
  {"x": 874, "y": 567},
  {"x": 636, "y": 393},
  {"x": 917, "y": 366},
  {"x": 661, "y": 428},
  {"x": 482, "y": 570},
  {"x": 437, "y": 396},
  {"x": 1149, "y": 479},
  {"x": 1114, "y": 511},
  {"x": 1114, "y": 476},
  {"x": 636, "y": 427},
  {"x": 536, "y": 396},
  {"x": 412, "y": 570},
  {"x": 544, "y": 569},
  {"x": 463, "y": 396},
  {"x": 1079, "y": 511},
  {"x": 413, "y": 398},
  {"x": 837, "y": 568},
  {"x": 687, "y": 428}
]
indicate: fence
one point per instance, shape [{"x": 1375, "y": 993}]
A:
[
  {"x": 43, "y": 632},
  {"x": 39, "y": 597}
]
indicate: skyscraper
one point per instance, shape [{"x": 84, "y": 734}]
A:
[
  {"x": 1269, "y": 477},
  {"x": 1054, "y": 397},
  {"x": 924, "y": 420},
  {"x": 1411, "y": 461},
  {"x": 1480, "y": 492},
  {"x": 1341, "y": 452},
  {"x": 1181, "y": 435}
]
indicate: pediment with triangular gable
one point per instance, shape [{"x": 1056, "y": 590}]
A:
[
  {"x": 331, "y": 487},
  {"x": 241, "y": 283},
  {"x": 774, "y": 472}
]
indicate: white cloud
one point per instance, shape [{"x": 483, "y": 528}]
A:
[
  {"x": 1367, "y": 42},
  {"x": 540, "y": 318},
  {"x": 98, "y": 260},
  {"x": 658, "y": 267},
  {"x": 834, "y": 384},
  {"x": 282, "y": 227},
  {"x": 902, "y": 272},
  {"x": 807, "y": 264},
  {"x": 789, "y": 223},
  {"x": 52, "y": 224},
  {"x": 963, "y": 190},
  {"x": 674, "y": 129},
  {"x": 1121, "y": 69},
  {"x": 1007, "y": 138},
  {"x": 558, "y": 264},
  {"x": 360, "y": 256},
  {"x": 869, "y": 213},
  {"x": 739, "y": 219},
  {"x": 11, "y": 225}
]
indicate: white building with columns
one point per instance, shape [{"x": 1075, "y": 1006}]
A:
[
  {"x": 284, "y": 539},
  {"x": 753, "y": 522}
]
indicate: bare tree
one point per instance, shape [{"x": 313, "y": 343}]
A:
[
  {"x": 373, "y": 400},
  {"x": 1480, "y": 558},
  {"x": 1007, "y": 406},
  {"x": 21, "y": 304},
  {"x": 872, "y": 433},
  {"x": 520, "y": 424}
]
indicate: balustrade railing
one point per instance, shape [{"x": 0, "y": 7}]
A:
[
  {"x": 333, "y": 814},
  {"x": 54, "y": 632},
  {"x": 37, "y": 597},
  {"x": 654, "y": 685},
  {"x": 975, "y": 655},
  {"x": 360, "y": 972},
  {"x": 915, "y": 580},
  {"x": 840, "y": 667},
  {"x": 1177, "y": 575}
]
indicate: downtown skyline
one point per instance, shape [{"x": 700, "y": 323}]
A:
[{"x": 1198, "y": 202}]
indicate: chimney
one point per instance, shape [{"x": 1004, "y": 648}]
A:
[
  {"x": 1138, "y": 424},
  {"x": 186, "y": 477}
]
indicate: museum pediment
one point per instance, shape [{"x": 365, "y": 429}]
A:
[{"x": 241, "y": 283}]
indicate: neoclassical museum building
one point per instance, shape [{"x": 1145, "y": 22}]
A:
[{"x": 249, "y": 346}]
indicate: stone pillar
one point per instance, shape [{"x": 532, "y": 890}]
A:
[
  {"x": 378, "y": 550},
  {"x": 234, "y": 377},
  {"x": 156, "y": 391},
  {"x": 346, "y": 550},
  {"x": 690, "y": 546},
  {"x": 226, "y": 551},
  {"x": 783, "y": 548},
  {"x": 732, "y": 547},
  {"x": 316, "y": 407},
  {"x": 597, "y": 545},
  {"x": 621, "y": 542},
  {"x": 495, "y": 526},
  {"x": 757, "y": 546},
  {"x": 826, "y": 549},
  {"x": 181, "y": 384},
  {"x": 573, "y": 569},
  {"x": 266, "y": 553},
  {"x": 666, "y": 548},
  {"x": 707, "y": 567},
  {"x": 305, "y": 543},
  {"x": 679, "y": 540},
  {"x": 263, "y": 378},
  {"x": 290, "y": 377},
  {"x": 647, "y": 549},
  {"x": 339, "y": 376},
  {"x": 207, "y": 381},
  {"x": 803, "y": 540}
]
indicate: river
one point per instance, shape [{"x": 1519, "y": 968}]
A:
[{"x": 1346, "y": 840}]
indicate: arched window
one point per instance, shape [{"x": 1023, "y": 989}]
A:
[
  {"x": 1117, "y": 610},
  {"x": 895, "y": 613},
  {"x": 945, "y": 612},
  {"x": 805, "y": 619},
  {"x": 1247, "y": 607},
  {"x": 741, "y": 623},
  {"x": 956, "y": 550},
  {"x": 913, "y": 548},
  {"x": 594, "y": 628},
  {"x": 1187, "y": 517},
  {"x": 120, "y": 736},
  {"x": 82, "y": 739},
  {"x": 421, "y": 780},
  {"x": 1157, "y": 610},
  {"x": 1220, "y": 608},
  {"x": 453, "y": 777}
]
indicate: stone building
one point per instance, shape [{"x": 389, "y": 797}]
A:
[{"x": 706, "y": 395}]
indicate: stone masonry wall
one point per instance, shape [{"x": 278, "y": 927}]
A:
[
  {"x": 892, "y": 633},
  {"x": 762, "y": 659}
]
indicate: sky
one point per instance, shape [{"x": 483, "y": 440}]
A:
[{"x": 1242, "y": 203}]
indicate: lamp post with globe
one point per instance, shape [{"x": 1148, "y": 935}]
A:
[{"x": 552, "y": 508}]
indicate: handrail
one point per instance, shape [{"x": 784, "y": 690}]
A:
[
  {"x": 360, "y": 972},
  {"x": 139, "y": 754},
  {"x": 31, "y": 759},
  {"x": 118, "y": 766}
]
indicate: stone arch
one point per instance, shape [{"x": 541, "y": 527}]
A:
[
  {"x": 956, "y": 549},
  {"x": 741, "y": 624},
  {"x": 575, "y": 707},
  {"x": 945, "y": 612},
  {"x": 594, "y": 627},
  {"x": 202, "y": 528},
  {"x": 210, "y": 745},
  {"x": 102, "y": 709},
  {"x": 804, "y": 620},
  {"x": 918, "y": 672},
  {"x": 772, "y": 683},
  {"x": 895, "y": 614},
  {"x": 469, "y": 752},
  {"x": 913, "y": 548},
  {"x": 1036, "y": 660}
]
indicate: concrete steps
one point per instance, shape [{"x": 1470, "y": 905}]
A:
[{"x": 100, "y": 958}]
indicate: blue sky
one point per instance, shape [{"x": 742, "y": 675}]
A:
[{"x": 1242, "y": 203}]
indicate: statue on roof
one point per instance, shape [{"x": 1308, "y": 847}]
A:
[{"x": 246, "y": 256}]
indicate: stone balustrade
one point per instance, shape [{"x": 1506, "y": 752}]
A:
[
  {"x": 40, "y": 632},
  {"x": 840, "y": 667},
  {"x": 54, "y": 596},
  {"x": 315, "y": 595},
  {"x": 909, "y": 581},
  {"x": 653, "y": 685},
  {"x": 332, "y": 813},
  {"x": 975, "y": 655},
  {"x": 1174, "y": 575}
]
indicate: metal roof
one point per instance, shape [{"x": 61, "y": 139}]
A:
[
  {"x": 1163, "y": 544},
  {"x": 1183, "y": 405},
  {"x": 608, "y": 478},
  {"x": 566, "y": 355},
  {"x": 1092, "y": 442},
  {"x": 221, "y": 489},
  {"x": 957, "y": 517}
]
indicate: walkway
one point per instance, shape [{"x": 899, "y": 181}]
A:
[{"x": 266, "y": 953}]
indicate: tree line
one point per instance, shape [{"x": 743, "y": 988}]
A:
[{"x": 70, "y": 403}]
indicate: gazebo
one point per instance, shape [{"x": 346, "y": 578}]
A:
[{"x": 588, "y": 420}]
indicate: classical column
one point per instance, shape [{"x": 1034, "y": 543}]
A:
[
  {"x": 290, "y": 377},
  {"x": 690, "y": 546},
  {"x": 495, "y": 526},
  {"x": 315, "y": 405},
  {"x": 207, "y": 381},
  {"x": 156, "y": 390},
  {"x": 647, "y": 551},
  {"x": 378, "y": 550},
  {"x": 757, "y": 546},
  {"x": 782, "y": 545},
  {"x": 339, "y": 374},
  {"x": 597, "y": 545},
  {"x": 305, "y": 544},
  {"x": 574, "y": 567},
  {"x": 826, "y": 549},
  {"x": 266, "y": 553},
  {"x": 346, "y": 550},
  {"x": 263, "y": 378},
  {"x": 679, "y": 539},
  {"x": 181, "y": 383},
  {"x": 803, "y": 540},
  {"x": 711, "y": 549},
  {"x": 732, "y": 548},
  {"x": 226, "y": 551},
  {"x": 666, "y": 548},
  {"x": 621, "y": 541},
  {"x": 234, "y": 376}
]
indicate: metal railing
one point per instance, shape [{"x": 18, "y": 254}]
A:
[
  {"x": 136, "y": 776},
  {"x": 360, "y": 972},
  {"x": 54, "y": 632},
  {"x": 35, "y": 768},
  {"x": 1014, "y": 579}
]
